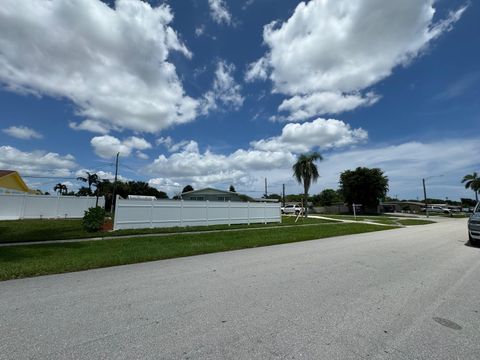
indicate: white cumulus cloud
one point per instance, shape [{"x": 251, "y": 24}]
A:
[
  {"x": 320, "y": 134},
  {"x": 113, "y": 63},
  {"x": 186, "y": 164},
  {"x": 190, "y": 165},
  {"x": 22, "y": 132},
  {"x": 306, "y": 106},
  {"x": 219, "y": 12},
  {"x": 90, "y": 125},
  {"x": 328, "y": 52},
  {"x": 38, "y": 163},
  {"x": 107, "y": 146},
  {"x": 225, "y": 91}
]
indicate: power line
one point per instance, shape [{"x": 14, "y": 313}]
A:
[{"x": 49, "y": 177}]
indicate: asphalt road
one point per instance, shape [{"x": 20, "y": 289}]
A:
[{"x": 411, "y": 293}]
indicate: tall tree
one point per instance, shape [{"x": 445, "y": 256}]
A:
[
  {"x": 306, "y": 173},
  {"x": 61, "y": 188},
  {"x": 90, "y": 179},
  {"x": 327, "y": 197},
  {"x": 472, "y": 181},
  {"x": 138, "y": 188},
  {"x": 232, "y": 188},
  {"x": 187, "y": 189},
  {"x": 364, "y": 186}
]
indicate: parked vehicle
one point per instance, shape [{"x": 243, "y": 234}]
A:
[
  {"x": 474, "y": 226},
  {"x": 438, "y": 210},
  {"x": 292, "y": 209}
]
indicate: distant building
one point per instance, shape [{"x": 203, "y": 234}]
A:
[
  {"x": 12, "y": 183},
  {"x": 211, "y": 194}
]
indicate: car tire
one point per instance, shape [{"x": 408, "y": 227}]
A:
[
  {"x": 297, "y": 212},
  {"x": 472, "y": 241}
]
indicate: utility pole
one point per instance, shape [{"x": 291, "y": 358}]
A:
[
  {"x": 425, "y": 197},
  {"x": 283, "y": 193},
  {"x": 266, "y": 188},
  {"x": 115, "y": 184}
]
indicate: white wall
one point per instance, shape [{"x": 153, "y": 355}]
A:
[
  {"x": 135, "y": 214},
  {"x": 27, "y": 206}
]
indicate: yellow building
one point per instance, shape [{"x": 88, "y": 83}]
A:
[{"x": 12, "y": 183}]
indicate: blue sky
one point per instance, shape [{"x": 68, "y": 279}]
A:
[{"x": 219, "y": 92}]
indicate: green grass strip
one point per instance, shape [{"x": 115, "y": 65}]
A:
[
  {"x": 46, "y": 230},
  {"x": 34, "y": 260},
  {"x": 410, "y": 222}
]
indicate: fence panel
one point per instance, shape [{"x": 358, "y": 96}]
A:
[
  {"x": 27, "y": 206},
  {"x": 135, "y": 214}
]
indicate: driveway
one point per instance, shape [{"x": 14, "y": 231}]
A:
[{"x": 409, "y": 293}]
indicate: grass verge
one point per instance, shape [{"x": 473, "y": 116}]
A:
[
  {"x": 33, "y": 260},
  {"x": 380, "y": 219},
  {"x": 43, "y": 230},
  {"x": 410, "y": 222}
]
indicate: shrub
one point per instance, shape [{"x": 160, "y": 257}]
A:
[{"x": 93, "y": 219}]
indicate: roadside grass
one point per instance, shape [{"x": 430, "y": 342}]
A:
[
  {"x": 13, "y": 231},
  {"x": 33, "y": 260},
  {"x": 410, "y": 222},
  {"x": 380, "y": 219}
]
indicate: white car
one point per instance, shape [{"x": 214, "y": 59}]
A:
[
  {"x": 291, "y": 209},
  {"x": 438, "y": 210}
]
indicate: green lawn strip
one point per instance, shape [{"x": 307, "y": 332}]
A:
[
  {"x": 33, "y": 260},
  {"x": 410, "y": 222},
  {"x": 44, "y": 230},
  {"x": 378, "y": 219}
]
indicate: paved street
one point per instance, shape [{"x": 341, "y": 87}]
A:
[{"x": 410, "y": 293}]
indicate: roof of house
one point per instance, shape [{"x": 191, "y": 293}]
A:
[
  {"x": 5, "y": 172},
  {"x": 20, "y": 184},
  {"x": 209, "y": 188}
]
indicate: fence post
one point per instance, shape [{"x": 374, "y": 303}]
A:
[
  {"x": 151, "y": 214},
  {"x": 58, "y": 205},
  {"x": 265, "y": 212},
  {"x": 115, "y": 213},
  {"x": 24, "y": 204},
  {"x": 207, "y": 211},
  {"x": 248, "y": 212},
  {"x": 229, "y": 214},
  {"x": 181, "y": 212}
]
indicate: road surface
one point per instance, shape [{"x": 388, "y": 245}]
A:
[{"x": 410, "y": 293}]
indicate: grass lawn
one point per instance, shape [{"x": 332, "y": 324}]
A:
[
  {"x": 410, "y": 222},
  {"x": 42, "y": 230},
  {"x": 378, "y": 219},
  {"x": 33, "y": 260}
]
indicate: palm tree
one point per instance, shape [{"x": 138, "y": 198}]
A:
[
  {"x": 61, "y": 188},
  {"x": 306, "y": 173},
  {"x": 90, "y": 179},
  {"x": 472, "y": 181}
]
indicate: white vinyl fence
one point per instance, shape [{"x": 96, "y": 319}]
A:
[
  {"x": 135, "y": 214},
  {"x": 27, "y": 206}
]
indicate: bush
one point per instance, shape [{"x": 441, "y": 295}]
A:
[{"x": 93, "y": 219}]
